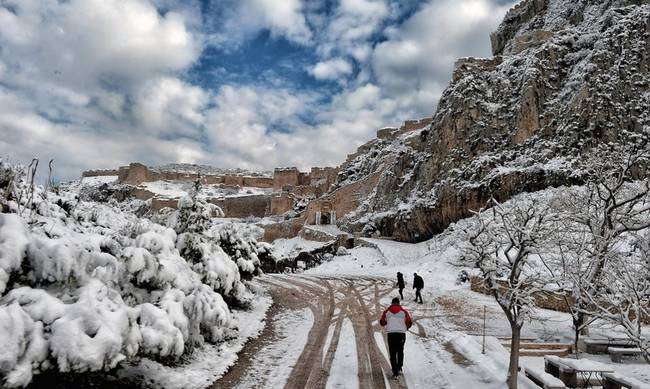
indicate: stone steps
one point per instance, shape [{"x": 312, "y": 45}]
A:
[{"x": 535, "y": 349}]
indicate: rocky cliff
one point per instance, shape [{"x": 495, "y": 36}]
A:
[{"x": 566, "y": 76}]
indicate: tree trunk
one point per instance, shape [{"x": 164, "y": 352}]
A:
[
  {"x": 513, "y": 367},
  {"x": 577, "y": 324}
]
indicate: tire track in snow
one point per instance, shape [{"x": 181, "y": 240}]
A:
[{"x": 335, "y": 303}]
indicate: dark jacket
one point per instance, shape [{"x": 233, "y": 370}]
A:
[
  {"x": 418, "y": 282},
  {"x": 400, "y": 280}
]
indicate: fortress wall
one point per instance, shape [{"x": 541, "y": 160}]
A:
[
  {"x": 284, "y": 229},
  {"x": 137, "y": 173},
  {"x": 412, "y": 125},
  {"x": 157, "y": 204},
  {"x": 285, "y": 176},
  {"x": 231, "y": 180},
  {"x": 100, "y": 173},
  {"x": 258, "y": 182},
  {"x": 244, "y": 206},
  {"x": 304, "y": 178},
  {"x": 281, "y": 204},
  {"x": 343, "y": 200}
]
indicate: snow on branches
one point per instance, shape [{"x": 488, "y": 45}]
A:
[
  {"x": 86, "y": 286},
  {"x": 504, "y": 244},
  {"x": 598, "y": 239}
]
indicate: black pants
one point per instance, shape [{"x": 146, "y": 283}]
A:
[
  {"x": 418, "y": 295},
  {"x": 401, "y": 295},
  {"x": 396, "y": 342}
]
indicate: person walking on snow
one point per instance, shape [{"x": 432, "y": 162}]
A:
[
  {"x": 397, "y": 321},
  {"x": 400, "y": 284},
  {"x": 418, "y": 285}
]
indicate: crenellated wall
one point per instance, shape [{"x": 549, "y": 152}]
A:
[
  {"x": 137, "y": 173},
  {"x": 100, "y": 173}
]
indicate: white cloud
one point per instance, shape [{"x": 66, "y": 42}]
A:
[
  {"x": 93, "y": 83},
  {"x": 332, "y": 69},
  {"x": 169, "y": 106},
  {"x": 86, "y": 41},
  {"x": 111, "y": 102},
  {"x": 26, "y": 135},
  {"x": 353, "y": 23},
  {"x": 416, "y": 62},
  {"x": 99, "y": 83},
  {"x": 283, "y": 18},
  {"x": 239, "y": 125},
  {"x": 260, "y": 128}
]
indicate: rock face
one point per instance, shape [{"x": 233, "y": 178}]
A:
[{"x": 566, "y": 76}]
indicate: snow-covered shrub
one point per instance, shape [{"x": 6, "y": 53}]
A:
[
  {"x": 13, "y": 243},
  {"x": 268, "y": 257},
  {"x": 238, "y": 241},
  {"x": 24, "y": 348},
  {"x": 85, "y": 286}
]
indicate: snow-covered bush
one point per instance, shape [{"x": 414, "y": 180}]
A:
[
  {"x": 85, "y": 286},
  {"x": 238, "y": 241}
]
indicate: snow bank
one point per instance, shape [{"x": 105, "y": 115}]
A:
[
  {"x": 87, "y": 286},
  {"x": 13, "y": 242}
]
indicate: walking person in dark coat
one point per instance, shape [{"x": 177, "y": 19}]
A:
[
  {"x": 418, "y": 285},
  {"x": 400, "y": 284},
  {"x": 397, "y": 321}
]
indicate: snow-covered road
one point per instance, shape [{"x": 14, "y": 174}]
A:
[{"x": 323, "y": 332}]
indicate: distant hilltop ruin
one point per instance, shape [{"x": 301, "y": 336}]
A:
[{"x": 289, "y": 197}]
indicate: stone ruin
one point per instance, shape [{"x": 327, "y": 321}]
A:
[{"x": 292, "y": 198}]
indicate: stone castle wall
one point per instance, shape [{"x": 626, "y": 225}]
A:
[
  {"x": 298, "y": 184},
  {"x": 281, "y": 203},
  {"x": 390, "y": 133},
  {"x": 283, "y": 177},
  {"x": 343, "y": 200},
  {"x": 244, "y": 206},
  {"x": 289, "y": 186},
  {"x": 137, "y": 173},
  {"x": 100, "y": 173},
  {"x": 284, "y": 229},
  {"x": 235, "y": 207},
  {"x": 464, "y": 66}
]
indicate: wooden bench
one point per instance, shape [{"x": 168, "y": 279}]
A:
[
  {"x": 553, "y": 365},
  {"x": 617, "y": 353},
  {"x": 543, "y": 379},
  {"x": 617, "y": 381},
  {"x": 600, "y": 346},
  {"x": 574, "y": 372}
]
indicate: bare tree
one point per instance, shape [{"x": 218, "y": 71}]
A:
[
  {"x": 597, "y": 219},
  {"x": 505, "y": 243},
  {"x": 623, "y": 295}
]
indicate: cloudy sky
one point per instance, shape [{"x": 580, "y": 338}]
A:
[{"x": 233, "y": 83}]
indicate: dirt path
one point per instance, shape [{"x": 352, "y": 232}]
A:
[{"x": 333, "y": 301}]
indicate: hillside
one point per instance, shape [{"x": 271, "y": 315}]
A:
[{"x": 565, "y": 79}]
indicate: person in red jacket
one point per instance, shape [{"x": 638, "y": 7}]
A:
[{"x": 397, "y": 321}]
